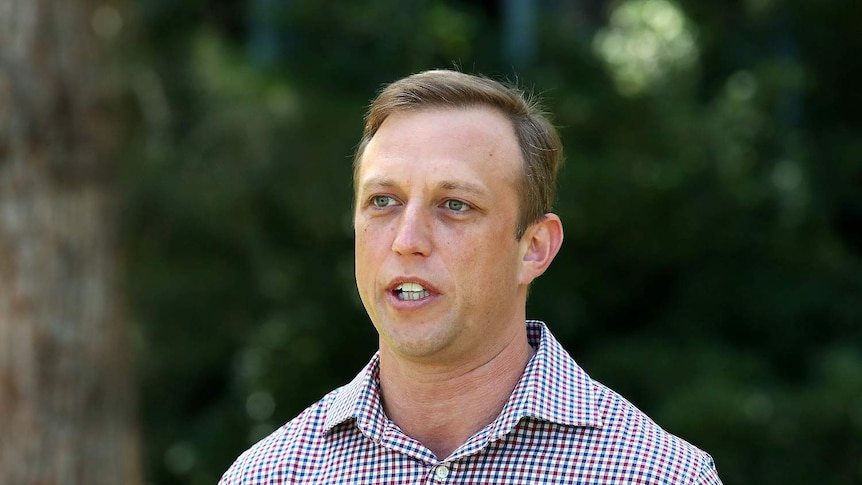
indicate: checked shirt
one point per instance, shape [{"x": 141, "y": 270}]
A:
[{"x": 558, "y": 427}]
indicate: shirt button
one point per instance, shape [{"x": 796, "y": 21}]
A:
[{"x": 441, "y": 472}]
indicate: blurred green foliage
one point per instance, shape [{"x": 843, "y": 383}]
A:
[{"x": 712, "y": 268}]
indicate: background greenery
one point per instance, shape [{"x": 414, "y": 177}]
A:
[{"x": 712, "y": 268}]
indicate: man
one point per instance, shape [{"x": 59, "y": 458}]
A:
[{"x": 454, "y": 180}]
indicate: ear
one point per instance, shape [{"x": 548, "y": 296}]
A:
[{"x": 539, "y": 245}]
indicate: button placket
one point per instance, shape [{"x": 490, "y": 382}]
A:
[{"x": 441, "y": 472}]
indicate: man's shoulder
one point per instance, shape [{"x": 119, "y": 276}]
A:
[
  {"x": 602, "y": 427},
  {"x": 297, "y": 439},
  {"x": 636, "y": 435}
]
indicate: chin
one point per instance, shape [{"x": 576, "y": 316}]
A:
[{"x": 419, "y": 344}]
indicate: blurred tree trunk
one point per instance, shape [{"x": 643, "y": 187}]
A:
[
  {"x": 66, "y": 405},
  {"x": 519, "y": 32}
]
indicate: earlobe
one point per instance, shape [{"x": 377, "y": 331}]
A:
[{"x": 540, "y": 244}]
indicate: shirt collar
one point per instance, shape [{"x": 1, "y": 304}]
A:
[
  {"x": 553, "y": 388},
  {"x": 360, "y": 400}
]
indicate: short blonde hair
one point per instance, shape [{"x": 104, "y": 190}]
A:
[{"x": 541, "y": 149}]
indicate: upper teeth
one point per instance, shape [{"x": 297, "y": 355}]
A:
[{"x": 410, "y": 287}]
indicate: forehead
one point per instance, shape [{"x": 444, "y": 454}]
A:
[{"x": 475, "y": 141}]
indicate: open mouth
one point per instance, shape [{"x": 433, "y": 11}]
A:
[{"x": 411, "y": 291}]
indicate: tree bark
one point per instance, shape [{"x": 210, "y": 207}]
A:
[{"x": 66, "y": 404}]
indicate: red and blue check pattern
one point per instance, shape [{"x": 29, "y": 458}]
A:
[{"x": 558, "y": 427}]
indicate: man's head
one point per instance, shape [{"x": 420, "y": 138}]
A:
[
  {"x": 539, "y": 143},
  {"x": 440, "y": 190}
]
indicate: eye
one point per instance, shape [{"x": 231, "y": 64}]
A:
[
  {"x": 456, "y": 205},
  {"x": 381, "y": 201}
]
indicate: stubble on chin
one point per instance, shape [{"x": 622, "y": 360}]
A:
[{"x": 422, "y": 341}]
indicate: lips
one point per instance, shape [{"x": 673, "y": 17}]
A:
[{"x": 411, "y": 289}]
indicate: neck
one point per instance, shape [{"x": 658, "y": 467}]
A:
[{"x": 441, "y": 405}]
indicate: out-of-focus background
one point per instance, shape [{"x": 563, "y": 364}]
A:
[{"x": 712, "y": 202}]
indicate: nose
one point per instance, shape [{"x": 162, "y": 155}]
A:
[{"x": 412, "y": 233}]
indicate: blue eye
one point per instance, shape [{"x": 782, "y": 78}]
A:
[
  {"x": 456, "y": 205},
  {"x": 382, "y": 201}
]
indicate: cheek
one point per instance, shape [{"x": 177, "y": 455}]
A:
[
  {"x": 364, "y": 237},
  {"x": 360, "y": 249},
  {"x": 493, "y": 263},
  {"x": 371, "y": 246}
]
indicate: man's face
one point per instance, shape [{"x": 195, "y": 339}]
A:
[{"x": 437, "y": 265}]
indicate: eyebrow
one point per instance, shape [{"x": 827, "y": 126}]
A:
[
  {"x": 462, "y": 186},
  {"x": 377, "y": 182},
  {"x": 384, "y": 182}
]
